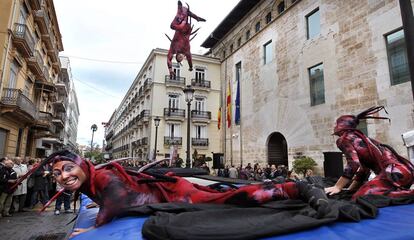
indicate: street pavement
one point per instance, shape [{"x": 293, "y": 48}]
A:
[{"x": 34, "y": 226}]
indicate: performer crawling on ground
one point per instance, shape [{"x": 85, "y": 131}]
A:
[
  {"x": 116, "y": 189},
  {"x": 394, "y": 173},
  {"x": 180, "y": 44}
]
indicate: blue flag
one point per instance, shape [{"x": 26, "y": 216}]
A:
[{"x": 237, "y": 114}]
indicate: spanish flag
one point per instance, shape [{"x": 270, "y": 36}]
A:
[
  {"x": 229, "y": 106},
  {"x": 219, "y": 118}
]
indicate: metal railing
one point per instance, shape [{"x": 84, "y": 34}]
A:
[
  {"x": 201, "y": 114},
  {"x": 200, "y": 83},
  {"x": 173, "y": 141},
  {"x": 21, "y": 31},
  {"x": 202, "y": 142},
  {"x": 180, "y": 81},
  {"x": 41, "y": 14},
  {"x": 174, "y": 112},
  {"x": 44, "y": 118},
  {"x": 15, "y": 97},
  {"x": 147, "y": 84},
  {"x": 144, "y": 141}
]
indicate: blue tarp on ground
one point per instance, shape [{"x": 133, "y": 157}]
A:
[{"x": 392, "y": 223}]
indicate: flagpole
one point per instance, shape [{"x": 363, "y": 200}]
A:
[{"x": 240, "y": 117}]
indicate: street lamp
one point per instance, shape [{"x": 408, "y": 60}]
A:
[
  {"x": 157, "y": 123},
  {"x": 189, "y": 92},
  {"x": 93, "y": 128}
]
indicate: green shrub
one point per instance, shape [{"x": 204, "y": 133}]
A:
[{"x": 302, "y": 164}]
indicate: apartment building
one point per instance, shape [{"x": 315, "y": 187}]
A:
[
  {"x": 72, "y": 112},
  {"x": 33, "y": 96},
  {"x": 300, "y": 64},
  {"x": 132, "y": 131}
]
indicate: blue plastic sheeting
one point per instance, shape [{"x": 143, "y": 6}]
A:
[{"x": 392, "y": 223}]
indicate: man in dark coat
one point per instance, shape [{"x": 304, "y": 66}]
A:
[
  {"x": 40, "y": 186},
  {"x": 7, "y": 178}
]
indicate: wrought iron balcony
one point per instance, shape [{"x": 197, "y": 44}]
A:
[
  {"x": 144, "y": 116},
  {"x": 62, "y": 87},
  {"x": 199, "y": 142},
  {"x": 61, "y": 103},
  {"x": 44, "y": 121},
  {"x": 147, "y": 84},
  {"x": 109, "y": 135},
  {"x": 173, "y": 141},
  {"x": 23, "y": 40},
  {"x": 201, "y": 83},
  {"x": 59, "y": 120},
  {"x": 174, "y": 113},
  {"x": 35, "y": 4},
  {"x": 35, "y": 64},
  {"x": 175, "y": 81},
  {"x": 42, "y": 20},
  {"x": 200, "y": 115},
  {"x": 144, "y": 141},
  {"x": 19, "y": 103}
]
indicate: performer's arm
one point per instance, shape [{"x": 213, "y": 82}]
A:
[{"x": 350, "y": 169}]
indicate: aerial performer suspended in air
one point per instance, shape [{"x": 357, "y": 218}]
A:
[
  {"x": 394, "y": 173},
  {"x": 180, "y": 44}
]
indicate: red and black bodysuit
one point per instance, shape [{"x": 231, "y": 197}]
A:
[
  {"x": 180, "y": 44},
  {"x": 116, "y": 190},
  {"x": 394, "y": 173}
]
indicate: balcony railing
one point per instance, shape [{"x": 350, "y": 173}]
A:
[
  {"x": 59, "y": 119},
  {"x": 174, "y": 112},
  {"x": 147, "y": 84},
  {"x": 23, "y": 40},
  {"x": 144, "y": 141},
  {"x": 15, "y": 97},
  {"x": 42, "y": 20},
  {"x": 173, "y": 141},
  {"x": 35, "y": 4},
  {"x": 144, "y": 115},
  {"x": 195, "y": 114},
  {"x": 35, "y": 64},
  {"x": 200, "y": 142},
  {"x": 109, "y": 135},
  {"x": 178, "y": 81},
  {"x": 200, "y": 83},
  {"x": 44, "y": 118}
]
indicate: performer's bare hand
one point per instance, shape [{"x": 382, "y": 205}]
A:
[
  {"x": 78, "y": 231},
  {"x": 332, "y": 190}
]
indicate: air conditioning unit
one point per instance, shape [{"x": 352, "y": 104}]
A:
[{"x": 408, "y": 139}]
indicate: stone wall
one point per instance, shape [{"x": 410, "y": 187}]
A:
[{"x": 275, "y": 96}]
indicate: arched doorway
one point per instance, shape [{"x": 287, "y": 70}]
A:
[{"x": 277, "y": 151}]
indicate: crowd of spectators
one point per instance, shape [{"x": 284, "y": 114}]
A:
[
  {"x": 277, "y": 173},
  {"x": 38, "y": 188}
]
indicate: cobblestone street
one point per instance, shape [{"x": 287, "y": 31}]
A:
[{"x": 35, "y": 226}]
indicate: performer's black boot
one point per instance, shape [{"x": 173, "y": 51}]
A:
[{"x": 315, "y": 196}]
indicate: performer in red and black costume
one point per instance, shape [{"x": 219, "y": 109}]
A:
[
  {"x": 116, "y": 189},
  {"x": 180, "y": 44},
  {"x": 394, "y": 173}
]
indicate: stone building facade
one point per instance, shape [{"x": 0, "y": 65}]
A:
[
  {"x": 131, "y": 132},
  {"x": 301, "y": 64},
  {"x": 33, "y": 96}
]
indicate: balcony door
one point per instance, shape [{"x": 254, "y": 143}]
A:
[
  {"x": 199, "y": 104},
  {"x": 14, "y": 69},
  {"x": 173, "y": 101},
  {"x": 200, "y": 75},
  {"x": 200, "y": 132},
  {"x": 177, "y": 71},
  {"x": 173, "y": 130}
]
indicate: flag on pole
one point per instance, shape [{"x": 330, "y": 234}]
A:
[
  {"x": 237, "y": 113},
  {"x": 219, "y": 118},
  {"x": 229, "y": 106}
]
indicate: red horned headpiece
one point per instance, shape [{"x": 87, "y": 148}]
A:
[{"x": 346, "y": 122}]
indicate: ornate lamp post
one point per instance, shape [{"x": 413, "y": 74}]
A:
[
  {"x": 189, "y": 93},
  {"x": 157, "y": 123},
  {"x": 93, "y": 128}
]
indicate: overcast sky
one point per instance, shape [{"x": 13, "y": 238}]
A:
[{"x": 107, "y": 42}]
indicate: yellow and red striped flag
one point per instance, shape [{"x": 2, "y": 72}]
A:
[{"x": 219, "y": 118}]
